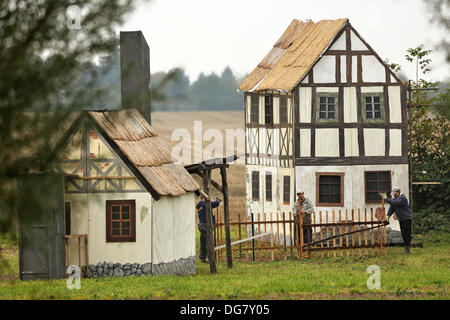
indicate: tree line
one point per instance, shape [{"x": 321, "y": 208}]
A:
[{"x": 171, "y": 91}]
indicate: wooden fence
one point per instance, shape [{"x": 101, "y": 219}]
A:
[{"x": 277, "y": 236}]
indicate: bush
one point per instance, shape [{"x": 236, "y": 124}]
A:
[{"x": 432, "y": 220}]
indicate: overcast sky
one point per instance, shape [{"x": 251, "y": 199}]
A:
[{"x": 207, "y": 35}]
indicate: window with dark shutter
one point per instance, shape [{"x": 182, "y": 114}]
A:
[
  {"x": 254, "y": 108},
  {"x": 283, "y": 109},
  {"x": 255, "y": 185},
  {"x": 330, "y": 189},
  {"x": 376, "y": 182},
  {"x": 268, "y": 186},
  {"x": 268, "y": 109},
  {"x": 286, "y": 190},
  {"x": 120, "y": 221}
]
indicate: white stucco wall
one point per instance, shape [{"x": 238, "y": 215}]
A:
[
  {"x": 88, "y": 216},
  {"x": 354, "y": 196},
  {"x": 184, "y": 226}
]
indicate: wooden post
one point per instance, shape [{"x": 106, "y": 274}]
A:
[
  {"x": 79, "y": 252},
  {"x": 321, "y": 235},
  {"x": 87, "y": 256},
  {"x": 226, "y": 213},
  {"x": 265, "y": 237},
  {"x": 354, "y": 234},
  {"x": 359, "y": 227},
  {"x": 246, "y": 236},
  {"x": 253, "y": 240},
  {"x": 314, "y": 234},
  {"x": 278, "y": 236},
  {"x": 240, "y": 237},
  {"x": 326, "y": 230},
  {"x": 259, "y": 239},
  {"x": 271, "y": 236},
  {"x": 373, "y": 236},
  {"x": 284, "y": 235},
  {"x": 341, "y": 239},
  {"x": 290, "y": 234},
  {"x": 301, "y": 234},
  {"x": 334, "y": 234},
  {"x": 346, "y": 230},
  {"x": 365, "y": 231},
  {"x": 209, "y": 227}
]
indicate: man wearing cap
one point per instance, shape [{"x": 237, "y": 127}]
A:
[
  {"x": 399, "y": 204},
  {"x": 306, "y": 209},
  {"x": 201, "y": 209}
]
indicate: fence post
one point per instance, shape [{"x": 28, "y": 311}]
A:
[
  {"x": 253, "y": 240},
  {"x": 301, "y": 234}
]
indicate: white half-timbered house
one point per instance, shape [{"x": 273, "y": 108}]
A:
[
  {"x": 324, "y": 114},
  {"x": 124, "y": 191}
]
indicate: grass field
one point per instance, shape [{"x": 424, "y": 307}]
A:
[{"x": 423, "y": 275}]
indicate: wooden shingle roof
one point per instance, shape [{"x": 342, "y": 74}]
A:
[
  {"x": 293, "y": 55},
  {"x": 138, "y": 142}
]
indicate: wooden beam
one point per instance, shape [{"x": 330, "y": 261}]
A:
[
  {"x": 209, "y": 225},
  {"x": 226, "y": 210},
  {"x": 426, "y": 183}
]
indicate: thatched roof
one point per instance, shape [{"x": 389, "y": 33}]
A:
[
  {"x": 293, "y": 55},
  {"x": 136, "y": 140}
]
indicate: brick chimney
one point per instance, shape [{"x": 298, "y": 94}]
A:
[{"x": 135, "y": 72}]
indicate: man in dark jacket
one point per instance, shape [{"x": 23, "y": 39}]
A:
[
  {"x": 201, "y": 209},
  {"x": 399, "y": 204}
]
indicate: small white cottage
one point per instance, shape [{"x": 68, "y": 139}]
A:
[
  {"x": 125, "y": 193},
  {"x": 323, "y": 113}
]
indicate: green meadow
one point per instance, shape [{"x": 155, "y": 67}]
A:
[{"x": 423, "y": 275}]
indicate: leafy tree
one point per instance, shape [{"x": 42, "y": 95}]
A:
[
  {"x": 45, "y": 50},
  {"x": 429, "y": 147}
]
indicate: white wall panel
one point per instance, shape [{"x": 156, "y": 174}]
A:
[
  {"x": 327, "y": 89},
  {"x": 373, "y": 70},
  {"x": 325, "y": 70},
  {"x": 373, "y": 89},
  {"x": 357, "y": 44},
  {"x": 184, "y": 226},
  {"x": 374, "y": 142},
  {"x": 354, "y": 69},
  {"x": 340, "y": 44},
  {"x": 395, "y": 104},
  {"x": 327, "y": 143},
  {"x": 350, "y": 105},
  {"x": 351, "y": 142},
  {"x": 305, "y": 105},
  {"x": 305, "y": 142},
  {"x": 163, "y": 231},
  {"x": 395, "y": 142},
  {"x": 343, "y": 69}
]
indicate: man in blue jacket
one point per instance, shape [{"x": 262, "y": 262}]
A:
[
  {"x": 399, "y": 204},
  {"x": 201, "y": 209}
]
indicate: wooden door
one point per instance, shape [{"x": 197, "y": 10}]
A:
[{"x": 41, "y": 227}]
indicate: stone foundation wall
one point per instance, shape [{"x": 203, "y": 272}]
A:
[{"x": 181, "y": 267}]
